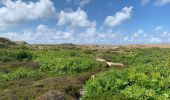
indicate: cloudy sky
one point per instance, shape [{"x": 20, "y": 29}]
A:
[{"x": 86, "y": 21}]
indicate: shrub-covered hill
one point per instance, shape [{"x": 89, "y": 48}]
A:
[
  {"x": 5, "y": 41},
  {"x": 146, "y": 78},
  {"x": 39, "y": 72},
  {"x": 33, "y": 73}
]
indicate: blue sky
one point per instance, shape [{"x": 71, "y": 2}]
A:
[{"x": 86, "y": 21}]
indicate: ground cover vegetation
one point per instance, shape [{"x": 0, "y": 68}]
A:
[{"x": 63, "y": 71}]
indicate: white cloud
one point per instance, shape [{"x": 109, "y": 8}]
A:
[
  {"x": 98, "y": 38},
  {"x": 86, "y": 35},
  {"x": 41, "y": 28},
  {"x": 140, "y": 31},
  {"x": 40, "y": 34},
  {"x": 45, "y": 35},
  {"x": 162, "y": 2},
  {"x": 158, "y": 28},
  {"x": 155, "y": 2},
  {"x": 119, "y": 17},
  {"x": 136, "y": 35},
  {"x": 16, "y": 12},
  {"x": 165, "y": 34},
  {"x": 155, "y": 40},
  {"x": 144, "y": 2},
  {"x": 75, "y": 19},
  {"x": 81, "y": 3},
  {"x": 50, "y": 33},
  {"x": 141, "y": 37}
]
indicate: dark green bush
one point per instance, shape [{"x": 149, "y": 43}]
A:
[
  {"x": 23, "y": 55},
  {"x": 12, "y": 55}
]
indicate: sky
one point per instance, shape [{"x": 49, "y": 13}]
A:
[{"x": 86, "y": 21}]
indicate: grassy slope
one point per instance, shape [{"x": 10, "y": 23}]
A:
[
  {"x": 60, "y": 69},
  {"x": 66, "y": 69},
  {"x": 147, "y": 77}
]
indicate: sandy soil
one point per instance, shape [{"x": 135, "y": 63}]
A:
[{"x": 113, "y": 47}]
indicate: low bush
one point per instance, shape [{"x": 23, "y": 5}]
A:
[
  {"x": 66, "y": 62},
  {"x": 69, "y": 65},
  {"x": 7, "y": 55},
  {"x": 20, "y": 73},
  {"x": 144, "y": 82},
  {"x": 23, "y": 55}
]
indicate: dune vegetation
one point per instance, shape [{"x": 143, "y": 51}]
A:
[{"x": 72, "y": 72}]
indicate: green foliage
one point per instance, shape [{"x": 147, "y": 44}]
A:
[
  {"x": 148, "y": 77},
  {"x": 12, "y": 55},
  {"x": 144, "y": 82},
  {"x": 19, "y": 74},
  {"x": 138, "y": 56},
  {"x": 66, "y": 62},
  {"x": 23, "y": 55},
  {"x": 5, "y": 55}
]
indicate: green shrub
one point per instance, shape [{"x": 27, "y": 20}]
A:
[
  {"x": 66, "y": 62},
  {"x": 23, "y": 55},
  {"x": 12, "y": 55},
  {"x": 5, "y": 55},
  {"x": 20, "y": 73},
  {"x": 70, "y": 65},
  {"x": 144, "y": 82}
]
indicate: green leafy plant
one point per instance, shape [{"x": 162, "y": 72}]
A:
[{"x": 20, "y": 73}]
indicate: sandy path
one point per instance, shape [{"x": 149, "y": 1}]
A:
[{"x": 110, "y": 64}]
